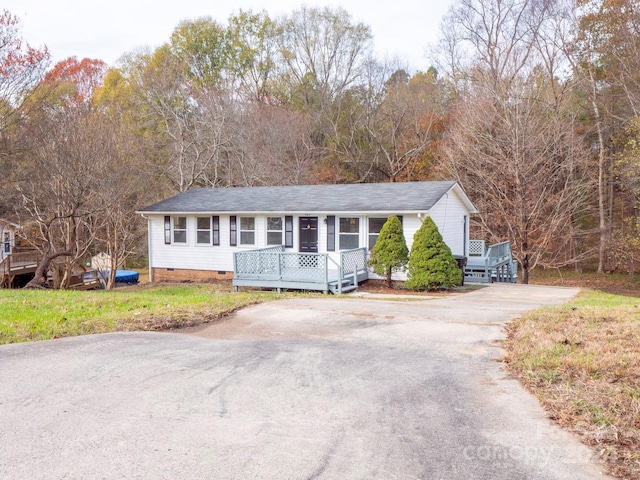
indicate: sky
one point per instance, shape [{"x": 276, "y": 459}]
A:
[{"x": 106, "y": 30}]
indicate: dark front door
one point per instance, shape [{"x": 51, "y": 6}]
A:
[{"x": 309, "y": 234}]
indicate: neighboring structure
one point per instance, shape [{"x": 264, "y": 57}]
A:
[
  {"x": 102, "y": 261},
  {"x": 194, "y": 235},
  {"x": 7, "y": 237}
]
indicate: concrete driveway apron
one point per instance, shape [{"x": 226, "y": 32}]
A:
[{"x": 334, "y": 387}]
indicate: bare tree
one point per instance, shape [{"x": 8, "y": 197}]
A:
[
  {"x": 56, "y": 189},
  {"x": 405, "y": 123},
  {"x": 323, "y": 47},
  {"x": 512, "y": 141},
  {"x": 193, "y": 120},
  {"x": 272, "y": 147}
]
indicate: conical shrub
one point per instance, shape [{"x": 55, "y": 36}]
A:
[
  {"x": 390, "y": 253},
  {"x": 431, "y": 264}
]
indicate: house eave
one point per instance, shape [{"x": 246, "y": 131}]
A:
[{"x": 301, "y": 213}]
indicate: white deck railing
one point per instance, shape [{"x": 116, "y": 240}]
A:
[{"x": 273, "y": 266}]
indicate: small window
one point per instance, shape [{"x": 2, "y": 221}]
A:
[
  {"x": 203, "y": 230},
  {"x": 375, "y": 225},
  {"x": 274, "y": 230},
  {"x": 179, "y": 229},
  {"x": 349, "y": 233},
  {"x": 247, "y": 231}
]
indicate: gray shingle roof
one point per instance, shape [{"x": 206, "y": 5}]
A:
[{"x": 362, "y": 197}]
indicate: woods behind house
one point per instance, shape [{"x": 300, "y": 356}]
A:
[{"x": 532, "y": 105}]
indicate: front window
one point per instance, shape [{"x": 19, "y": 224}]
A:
[
  {"x": 349, "y": 233},
  {"x": 203, "y": 230},
  {"x": 375, "y": 225},
  {"x": 247, "y": 231},
  {"x": 274, "y": 230},
  {"x": 179, "y": 229}
]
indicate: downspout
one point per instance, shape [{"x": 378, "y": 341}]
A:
[{"x": 149, "y": 246}]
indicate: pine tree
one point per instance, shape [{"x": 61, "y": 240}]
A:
[
  {"x": 390, "y": 253},
  {"x": 431, "y": 264}
]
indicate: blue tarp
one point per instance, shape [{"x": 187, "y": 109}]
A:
[{"x": 124, "y": 276}]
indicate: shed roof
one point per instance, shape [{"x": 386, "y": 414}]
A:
[{"x": 361, "y": 197}]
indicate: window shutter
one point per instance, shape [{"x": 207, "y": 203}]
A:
[
  {"x": 233, "y": 231},
  {"x": 167, "y": 230},
  {"x": 216, "y": 229},
  {"x": 288, "y": 232},
  {"x": 331, "y": 233}
]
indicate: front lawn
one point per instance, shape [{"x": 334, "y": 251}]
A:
[
  {"x": 582, "y": 360},
  {"x": 44, "y": 314}
]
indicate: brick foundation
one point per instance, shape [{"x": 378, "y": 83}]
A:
[{"x": 183, "y": 275}]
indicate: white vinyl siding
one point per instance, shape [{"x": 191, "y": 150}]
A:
[{"x": 448, "y": 214}]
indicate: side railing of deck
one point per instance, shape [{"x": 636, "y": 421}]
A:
[
  {"x": 497, "y": 263},
  {"x": 273, "y": 267},
  {"x": 354, "y": 265},
  {"x": 20, "y": 262},
  {"x": 261, "y": 262}
]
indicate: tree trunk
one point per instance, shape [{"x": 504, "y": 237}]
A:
[
  {"x": 40, "y": 278},
  {"x": 525, "y": 267},
  {"x": 601, "y": 182}
]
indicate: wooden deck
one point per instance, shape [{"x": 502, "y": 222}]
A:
[
  {"x": 495, "y": 264},
  {"x": 22, "y": 263},
  {"x": 15, "y": 264},
  {"x": 274, "y": 268}
]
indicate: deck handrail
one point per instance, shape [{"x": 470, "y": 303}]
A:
[
  {"x": 275, "y": 264},
  {"x": 340, "y": 274},
  {"x": 499, "y": 252},
  {"x": 19, "y": 261}
]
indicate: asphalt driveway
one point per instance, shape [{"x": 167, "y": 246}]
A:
[{"x": 336, "y": 388}]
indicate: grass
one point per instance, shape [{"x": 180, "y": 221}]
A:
[
  {"x": 582, "y": 360},
  {"x": 43, "y": 314},
  {"x": 619, "y": 283}
]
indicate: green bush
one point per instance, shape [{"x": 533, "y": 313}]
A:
[
  {"x": 431, "y": 264},
  {"x": 390, "y": 253}
]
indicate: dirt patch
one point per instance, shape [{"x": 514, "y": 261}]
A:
[
  {"x": 616, "y": 283},
  {"x": 380, "y": 286}
]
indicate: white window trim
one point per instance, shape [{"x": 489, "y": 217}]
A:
[
  {"x": 369, "y": 233},
  {"x": 282, "y": 228},
  {"x": 210, "y": 230},
  {"x": 174, "y": 229},
  {"x": 340, "y": 233},
  {"x": 241, "y": 231}
]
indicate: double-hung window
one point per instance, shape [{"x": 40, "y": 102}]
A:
[
  {"x": 274, "y": 230},
  {"x": 375, "y": 225},
  {"x": 179, "y": 229},
  {"x": 247, "y": 231},
  {"x": 203, "y": 230},
  {"x": 349, "y": 233}
]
